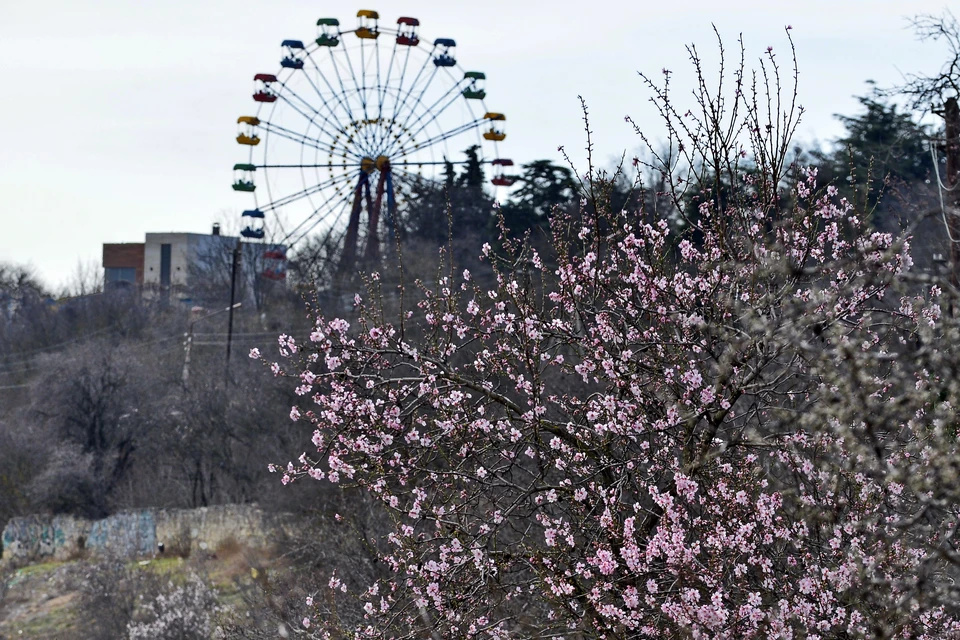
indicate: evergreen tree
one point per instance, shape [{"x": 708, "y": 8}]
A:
[
  {"x": 471, "y": 206},
  {"x": 543, "y": 185},
  {"x": 886, "y": 138},
  {"x": 883, "y": 144}
]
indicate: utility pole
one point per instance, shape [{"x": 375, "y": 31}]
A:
[
  {"x": 233, "y": 291},
  {"x": 188, "y": 342},
  {"x": 951, "y": 116}
]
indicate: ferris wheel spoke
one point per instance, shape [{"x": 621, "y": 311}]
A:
[
  {"x": 310, "y": 222},
  {"x": 413, "y": 86},
  {"x": 457, "y": 92},
  {"x": 416, "y": 103},
  {"x": 297, "y": 109},
  {"x": 296, "y": 139},
  {"x": 326, "y": 103},
  {"x": 310, "y": 119},
  {"x": 362, "y": 135},
  {"x": 399, "y": 104},
  {"x": 384, "y": 133},
  {"x": 328, "y": 147},
  {"x": 327, "y": 165},
  {"x": 303, "y": 229},
  {"x": 376, "y": 56},
  {"x": 333, "y": 92},
  {"x": 305, "y": 103},
  {"x": 338, "y": 95},
  {"x": 432, "y": 163},
  {"x": 405, "y": 176},
  {"x": 406, "y": 181},
  {"x": 356, "y": 83},
  {"x": 303, "y": 193},
  {"x": 420, "y": 146},
  {"x": 363, "y": 78},
  {"x": 403, "y": 74},
  {"x": 382, "y": 90},
  {"x": 293, "y": 136},
  {"x": 303, "y": 140},
  {"x": 435, "y": 114},
  {"x": 364, "y": 63},
  {"x": 343, "y": 86},
  {"x": 370, "y": 134},
  {"x": 364, "y": 132}
]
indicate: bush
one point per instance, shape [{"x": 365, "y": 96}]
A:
[
  {"x": 179, "y": 612},
  {"x": 120, "y": 600}
]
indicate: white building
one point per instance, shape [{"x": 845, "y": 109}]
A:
[
  {"x": 195, "y": 266},
  {"x": 176, "y": 260}
]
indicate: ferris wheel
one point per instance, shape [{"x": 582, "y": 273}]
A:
[{"x": 350, "y": 122}]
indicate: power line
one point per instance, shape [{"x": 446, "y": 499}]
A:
[
  {"x": 12, "y": 372},
  {"x": 61, "y": 344},
  {"x": 940, "y": 189}
]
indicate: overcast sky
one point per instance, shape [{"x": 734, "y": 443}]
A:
[{"x": 118, "y": 116}]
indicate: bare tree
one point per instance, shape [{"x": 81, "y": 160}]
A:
[
  {"x": 745, "y": 429},
  {"x": 86, "y": 279},
  {"x": 924, "y": 89}
]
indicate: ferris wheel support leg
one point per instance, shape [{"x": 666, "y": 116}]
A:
[
  {"x": 369, "y": 197},
  {"x": 391, "y": 207},
  {"x": 349, "y": 255},
  {"x": 373, "y": 236}
]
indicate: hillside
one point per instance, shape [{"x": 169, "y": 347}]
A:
[{"x": 85, "y": 598}]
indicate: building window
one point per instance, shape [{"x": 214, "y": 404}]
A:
[
  {"x": 113, "y": 275},
  {"x": 165, "y": 265}
]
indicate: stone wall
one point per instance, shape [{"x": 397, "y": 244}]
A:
[{"x": 137, "y": 534}]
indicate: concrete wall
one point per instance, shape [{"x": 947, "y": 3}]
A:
[
  {"x": 136, "y": 534},
  {"x": 179, "y": 258}
]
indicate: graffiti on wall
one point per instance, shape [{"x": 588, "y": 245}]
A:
[{"x": 134, "y": 534}]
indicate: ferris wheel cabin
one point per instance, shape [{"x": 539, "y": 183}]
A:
[
  {"x": 294, "y": 51},
  {"x": 444, "y": 47},
  {"x": 263, "y": 92},
  {"x": 274, "y": 274},
  {"x": 367, "y": 24},
  {"x": 475, "y": 90},
  {"x": 247, "y": 130},
  {"x": 243, "y": 177},
  {"x": 276, "y": 264},
  {"x": 493, "y": 133},
  {"x": 252, "y": 231},
  {"x": 328, "y": 34},
  {"x": 407, "y": 32},
  {"x": 500, "y": 179}
]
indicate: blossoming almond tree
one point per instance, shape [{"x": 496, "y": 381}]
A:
[{"x": 743, "y": 428}]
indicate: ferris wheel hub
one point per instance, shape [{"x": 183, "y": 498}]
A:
[{"x": 369, "y": 165}]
